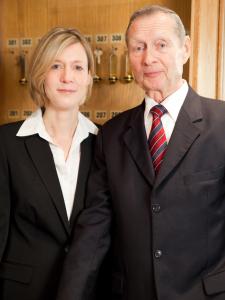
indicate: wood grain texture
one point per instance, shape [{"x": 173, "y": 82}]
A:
[
  {"x": 207, "y": 59},
  {"x": 221, "y": 52}
]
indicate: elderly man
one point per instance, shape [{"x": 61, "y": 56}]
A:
[{"x": 156, "y": 194}]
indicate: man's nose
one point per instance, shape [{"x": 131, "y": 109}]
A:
[{"x": 149, "y": 56}]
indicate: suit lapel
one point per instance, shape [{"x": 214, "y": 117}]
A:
[
  {"x": 84, "y": 167},
  {"x": 187, "y": 129},
  {"x": 42, "y": 158},
  {"x": 136, "y": 143}
]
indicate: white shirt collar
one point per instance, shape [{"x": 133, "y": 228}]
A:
[
  {"x": 172, "y": 103},
  {"x": 84, "y": 127},
  {"x": 34, "y": 125}
]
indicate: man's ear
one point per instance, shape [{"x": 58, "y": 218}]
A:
[{"x": 186, "y": 48}]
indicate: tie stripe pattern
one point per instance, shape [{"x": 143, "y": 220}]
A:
[{"x": 157, "y": 137}]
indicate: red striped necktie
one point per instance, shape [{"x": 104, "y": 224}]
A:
[{"x": 157, "y": 137}]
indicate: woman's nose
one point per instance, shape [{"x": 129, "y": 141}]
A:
[{"x": 67, "y": 75}]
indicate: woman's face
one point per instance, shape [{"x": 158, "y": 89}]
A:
[{"x": 68, "y": 78}]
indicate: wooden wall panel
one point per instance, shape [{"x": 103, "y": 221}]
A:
[
  {"x": 221, "y": 52},
  {"x": 22, "y": 19},
  {"x": 32, "y": 18},
  {"x": 207, "y": 63}
]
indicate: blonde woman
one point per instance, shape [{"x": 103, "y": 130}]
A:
[{"x": 44, "y": 166}]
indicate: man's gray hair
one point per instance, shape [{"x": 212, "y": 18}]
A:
[{"x": 152, "y": 9}]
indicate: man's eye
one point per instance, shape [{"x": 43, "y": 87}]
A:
[
  {"x": 139, "y": 48},
  {"x": 161, "y": 45}
]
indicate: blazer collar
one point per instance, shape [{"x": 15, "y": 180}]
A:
[
  {"x": 42, "y": 158},
  {"x": 136, "y": 142},
  {"x": 87, "y": 147},
  {"x": 187, "y": 129}
]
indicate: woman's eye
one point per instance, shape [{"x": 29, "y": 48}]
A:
[
  {"x": 56, "y": 66},
  {"x": 79, "y": 68}
]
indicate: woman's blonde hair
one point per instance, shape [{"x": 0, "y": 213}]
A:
[{"x": 50, "y": 46}]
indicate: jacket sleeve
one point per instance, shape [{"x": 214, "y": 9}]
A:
[
  {"x": 4, "y": 196},
  {"x": 91, "y": 236}
]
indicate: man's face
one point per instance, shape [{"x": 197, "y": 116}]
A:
[{"x": 157, "y": 54}]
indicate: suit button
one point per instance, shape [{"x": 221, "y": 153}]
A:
[
  {"x": 158, "y": 253},
  {"x": 66, "y": 249},
  {"x": 156, "y": 208}
]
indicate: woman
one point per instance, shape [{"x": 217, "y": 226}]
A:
[{"x": 44, "y": 165}]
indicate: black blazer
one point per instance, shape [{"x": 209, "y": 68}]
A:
[
  {"x": 167, "y": 239},
  {"x": 34, "y": 228}
]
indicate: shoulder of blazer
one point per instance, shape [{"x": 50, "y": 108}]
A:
[
  {"x": 8, "y": 133},
  {"x": 205, "y": 100},
  {"x": 126, "y": 118},
  {"x": 11, "y": 127},
  {"x": 198, "y": 107},
  {"x": 211, "y": 108}
]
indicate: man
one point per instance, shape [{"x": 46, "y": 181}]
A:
[{"x": 158, "y": 182}]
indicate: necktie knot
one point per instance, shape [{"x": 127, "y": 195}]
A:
[{"x": 158, "y": 110}]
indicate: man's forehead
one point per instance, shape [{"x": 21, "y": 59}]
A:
[
  {"x": 154, "y": 18},
  {"x": 157, "y": 25}
]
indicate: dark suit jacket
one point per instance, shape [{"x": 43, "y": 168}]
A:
[
  {"x": 34, "y": 228},
  {"x": 168, "y": 233}
]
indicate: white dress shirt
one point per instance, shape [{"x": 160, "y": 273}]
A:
[
  {"x": 173, "y": 105},
  {"x": 67, "y": 171}
]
